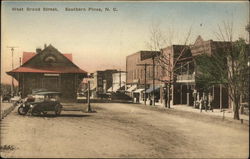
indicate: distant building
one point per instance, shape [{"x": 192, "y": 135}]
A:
[
  {"x": 48, "y": 69},
  {"x": 119, "y": 82},
  {"x": 102, "y": 81}
]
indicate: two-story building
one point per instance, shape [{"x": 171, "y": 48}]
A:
[
  {"x": 210, "y": 47},
  {"x": 141, "y": 76}
]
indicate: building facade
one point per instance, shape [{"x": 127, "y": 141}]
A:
[
  {"x": 119, "y": 82},
  {"x": 102, "y": 81},
  {"x": 143, "y": 73},
  {"x": 174, "y": 64},
  {"x": 210, "y": 47},
  {"x": 179, "y": 71},
  {"x": 49, "y": 69}
]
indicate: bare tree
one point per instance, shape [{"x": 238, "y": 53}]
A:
[
  {"x": 228, "y": 66},
  {"x": 167, "y": 61}
]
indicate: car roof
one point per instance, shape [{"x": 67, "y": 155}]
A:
[{"x": 46, "y": 93}]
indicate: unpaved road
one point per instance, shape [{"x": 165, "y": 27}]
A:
[{"x": 122, "y": 130}]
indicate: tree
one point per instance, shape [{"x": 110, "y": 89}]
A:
[
  {"x": 227, "y": 67},
  {"x": 168, "y": 61}
]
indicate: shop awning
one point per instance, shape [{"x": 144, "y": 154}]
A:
[
  {"x": 139, "y": 90},
  {"x": 115, "y": 88},
  {"x": 132, "y": 88},
  {"x": 151, "y": 89},
  {"x": 110, "y": 89}
]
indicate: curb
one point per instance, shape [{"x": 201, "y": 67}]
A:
[{"x": 7, "y": 111}]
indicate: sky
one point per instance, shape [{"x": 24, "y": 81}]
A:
[{"x": 100, "y": 40}]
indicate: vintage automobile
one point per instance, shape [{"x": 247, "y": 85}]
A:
[
  {"x": 41, "y": 103},
  {"x": 6, "y": 97}
]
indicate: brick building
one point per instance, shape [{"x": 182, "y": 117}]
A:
[
  {"x": 48, "y": 69},
  {"x": 183, "y": 73},
  {"x": 210, "y": 47},
  {"x": 135, "y": 80},
  {"x": 181, "y": 68}
]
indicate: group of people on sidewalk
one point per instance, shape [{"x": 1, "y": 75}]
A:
[{"x": 204, "y": 101}]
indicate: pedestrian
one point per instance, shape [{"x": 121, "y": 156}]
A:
[
  {"x": 195, "y": 97},
  {"x": 197, "y": 104},
  {"x": 200, "y": 104},
  {"x": 150, "y": 100},
  {"x": 210, "y": 101}
]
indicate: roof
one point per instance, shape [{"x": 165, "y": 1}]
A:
[
  {"x": 29, "y": 67},
  {"x": 28, "y": 55},
  {"x": 115, "y": 88},
  {"x": 69, "y": 56},
  {"x": 131, "y": 88},
  {"x": 59, "y": 69},
  {"x": 139, "y": 90}
]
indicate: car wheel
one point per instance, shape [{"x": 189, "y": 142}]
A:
[{"x": 21, "y": 111}]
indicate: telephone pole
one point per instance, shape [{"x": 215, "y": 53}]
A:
[
  {"x": 145, "y": 79},
  {"x": 153, "y": 58},
  {"x": 12, "y": 79}
]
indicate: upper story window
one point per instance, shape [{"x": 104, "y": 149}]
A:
[{"x": 49, "y": 59}]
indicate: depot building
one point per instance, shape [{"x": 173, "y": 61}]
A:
[{"x": 48, "y": 69}]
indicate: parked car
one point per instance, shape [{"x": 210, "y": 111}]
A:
[
  {"x": 6, "y": 97},
  {"x": 41, "y": 103}
]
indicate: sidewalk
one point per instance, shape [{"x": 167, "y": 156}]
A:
[
  {"x": 228, "y": 113},
  {"x": 6, "y": 108}
]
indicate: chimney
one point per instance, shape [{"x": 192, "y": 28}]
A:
[
  {"x": 45, "y": 45},
  {"x": 38, "y": 50}
]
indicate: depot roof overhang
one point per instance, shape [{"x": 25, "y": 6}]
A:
[{"x": 51, "y": 70}]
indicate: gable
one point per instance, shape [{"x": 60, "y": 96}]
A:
[
  {"x": 28, "y": 55},
  {"x": 199, "y": 41},
  {"x": 50, "y": 56}
]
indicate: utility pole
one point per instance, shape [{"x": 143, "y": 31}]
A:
[
  {"x": 145, "y": 78},
  {"x": 20, "y": 63},
  {"x": 153, "y": 58},
  {"x": 120, "y": 79},
  {"x": 12, "y": 79},
  {"x": 89, "y": 107}
]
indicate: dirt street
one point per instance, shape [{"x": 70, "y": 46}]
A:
[{"x": 122, "y": 130}]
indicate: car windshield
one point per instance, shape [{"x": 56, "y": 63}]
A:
[
  {"x": 39, "y": 98},
  {"x": 54, "y": 97}
]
